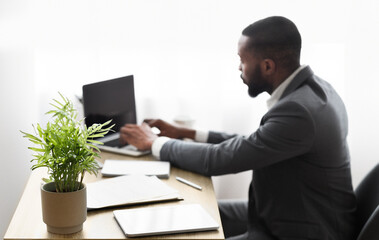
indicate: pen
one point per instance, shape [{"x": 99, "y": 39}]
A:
[{"x": 188, "y": 183}]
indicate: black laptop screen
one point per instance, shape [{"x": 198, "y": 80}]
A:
[{"x": 112, "y": 99}]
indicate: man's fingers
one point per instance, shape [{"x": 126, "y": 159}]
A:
[
  {"x": 139, "y": 136},
  {"x": 153, "y": 122},
  {"x": 128, "y": 127},
  {"x": 150, "y": 122}
]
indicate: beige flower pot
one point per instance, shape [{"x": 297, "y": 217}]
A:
[{"x": 63, "y": 213}]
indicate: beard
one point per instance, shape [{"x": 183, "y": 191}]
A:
[{"x": 256, "y": 83}]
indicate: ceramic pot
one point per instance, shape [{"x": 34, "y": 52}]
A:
[{"x": 63, "y": 213}]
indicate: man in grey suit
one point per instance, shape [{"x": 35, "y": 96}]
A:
[{"x": 301, "y": 186}]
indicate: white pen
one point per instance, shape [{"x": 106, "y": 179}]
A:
[{"x": 188, "y": 183}]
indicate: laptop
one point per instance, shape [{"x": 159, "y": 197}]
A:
[{"x": 112, "y": 99}]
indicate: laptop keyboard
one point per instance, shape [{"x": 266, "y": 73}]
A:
[{"x": 114, "y": 143}]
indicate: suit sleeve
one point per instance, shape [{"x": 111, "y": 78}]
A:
[
  {"x": 286, "y": 131},
  {"x": 217, "y": 137}
]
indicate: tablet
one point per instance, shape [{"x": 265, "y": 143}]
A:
[{"x": 164, "y": 220}]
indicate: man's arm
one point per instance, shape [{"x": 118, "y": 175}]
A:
[
  {"x": 284, "y": 133},
  {"x": 168, "y": 130},
  {"x": 217, "y": 137},
  {"x": 281, "y": 136},
  {"x": 172, "y": 131}
]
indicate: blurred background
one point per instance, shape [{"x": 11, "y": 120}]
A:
[{"x": 183, "y": 55}]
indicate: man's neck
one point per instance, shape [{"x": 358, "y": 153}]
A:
[
  {"x": 277, "y": 93},
  {"x": 282, "y": 75}
]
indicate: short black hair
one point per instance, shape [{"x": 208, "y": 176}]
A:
[{"x": 276, "y": 38}]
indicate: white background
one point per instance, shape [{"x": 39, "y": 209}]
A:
[{"x": 183, "y": 55}]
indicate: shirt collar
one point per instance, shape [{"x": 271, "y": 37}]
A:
[{"x": 275, "y": 96}]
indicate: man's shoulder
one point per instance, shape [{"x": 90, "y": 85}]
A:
[{"x": 313, "y": 92}]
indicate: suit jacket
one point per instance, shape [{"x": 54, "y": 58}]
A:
[{"x": 301, "y": 186}]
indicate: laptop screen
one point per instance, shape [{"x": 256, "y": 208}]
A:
[{"x": 112, "y": 99}]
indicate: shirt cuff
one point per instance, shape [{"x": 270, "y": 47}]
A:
[
  {"x": 157, "y": 146},
  {"x": 201, "y": 136}
]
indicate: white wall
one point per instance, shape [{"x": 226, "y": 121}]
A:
[
  {"x": 184, "y": 58},
  {"x": 18, "y": 107}
]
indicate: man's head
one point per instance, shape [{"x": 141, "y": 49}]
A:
[{"x": 270, "y": 51}]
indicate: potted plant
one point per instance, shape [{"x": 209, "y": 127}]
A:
[{"x": 66, "y": 147}]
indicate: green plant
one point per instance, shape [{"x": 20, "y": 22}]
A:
[{"x": 66, "y": 146}]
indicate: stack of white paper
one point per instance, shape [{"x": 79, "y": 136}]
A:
[
  {"x": 113, "y": 168},
  {"x": 126, "y": 190}
]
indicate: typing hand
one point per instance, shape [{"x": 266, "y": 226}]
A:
[
  {"x": 139, "y": 136},
  {"x": 170, "y": 130}
]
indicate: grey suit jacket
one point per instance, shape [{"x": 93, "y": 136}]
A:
[{"x": 301, "y": 187}]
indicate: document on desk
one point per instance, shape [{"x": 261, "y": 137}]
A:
[
  {"x": 127, "y": 190},
  {"x": 164, "y": 220},
  {"x": 113, "y": 168}
]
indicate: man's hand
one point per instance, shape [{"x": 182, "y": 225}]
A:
[
  {"x": 170, "y": 130},
  {"x": 139, "y": 136}
]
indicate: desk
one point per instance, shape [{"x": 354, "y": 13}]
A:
[{"x": 27, "y": 220}]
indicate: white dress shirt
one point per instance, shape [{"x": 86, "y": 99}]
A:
[{"x": 277, "y": 93}]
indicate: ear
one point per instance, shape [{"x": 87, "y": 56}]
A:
[{"x": 268, "y": 67}]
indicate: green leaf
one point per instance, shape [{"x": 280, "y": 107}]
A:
[
  {"x": 37, "y": 149},
  {"x": 30, "y": 136},
  {"x": 106, "y": 123},
  {"x": 59, "y": 103},
  {"x": 96, "y": 135},
  {"x": 94, "y": 141},
  {"x": 94, "y": 147}
]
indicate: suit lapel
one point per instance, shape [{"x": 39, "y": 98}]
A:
[{"x": 299, "y": 79}]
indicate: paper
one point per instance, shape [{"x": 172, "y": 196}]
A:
[
  {"x": 113, "y": 168},
  {"x": 126, "y": 190}
]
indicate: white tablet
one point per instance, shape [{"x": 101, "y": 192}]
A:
[{"x": 164, "y": 220}]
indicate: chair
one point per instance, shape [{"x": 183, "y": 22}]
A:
[{"x": 367, "y": 214}]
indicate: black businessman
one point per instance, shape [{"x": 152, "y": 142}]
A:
[{"x": 301, "y": 186}]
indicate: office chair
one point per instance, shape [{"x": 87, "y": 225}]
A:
[{"x": 367, "y": 215}]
